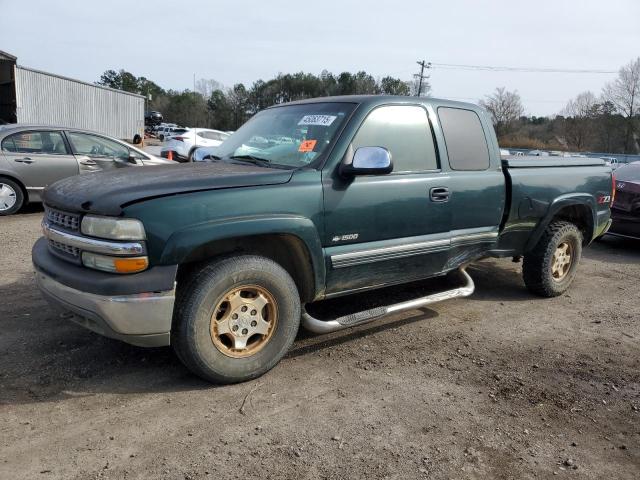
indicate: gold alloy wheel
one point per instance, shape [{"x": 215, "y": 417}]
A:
[
  {"x": 561, "y": 261},
  {"x": 244, "y": 321}
]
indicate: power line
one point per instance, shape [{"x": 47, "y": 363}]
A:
[
  {"x": 421, "y": 76},
  {"x": 490, "y": 68}
]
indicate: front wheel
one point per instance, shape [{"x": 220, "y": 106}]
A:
[
  {"x": 550, "y": 267},
  {"x": 236, "y": 319}
]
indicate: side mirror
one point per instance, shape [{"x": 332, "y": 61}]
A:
[
  {"x": 132, "y": 159},
  {"x": 367, "y": 161}
]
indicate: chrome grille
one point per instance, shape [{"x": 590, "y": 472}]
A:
[
  {"x": 68, "y": 221},
  {"x": 66, "y": 249}
]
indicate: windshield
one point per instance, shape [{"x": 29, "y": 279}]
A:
[{"x": 292, "y": 136}]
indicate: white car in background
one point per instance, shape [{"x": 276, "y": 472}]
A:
[
  {"x": 184, "y": 144},
  {"x": 164, "y": 133},
  {"x": 611, "y": 162}
]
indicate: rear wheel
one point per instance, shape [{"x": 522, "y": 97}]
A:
[
  {"x": 236, "y": 319},
  {"x": 550, "y": 267},
  {"x": 11, "y": 197}
]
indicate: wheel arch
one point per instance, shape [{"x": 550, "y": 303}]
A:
[
  {"x": 578, "y": 209},
  {"x": 297, "y": 250}
]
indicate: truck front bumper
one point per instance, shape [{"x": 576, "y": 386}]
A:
[{"x": 139, "y": 318}]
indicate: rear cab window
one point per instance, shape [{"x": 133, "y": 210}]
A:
[
  {"x": 405, "y": 131},
  {"x": 465, "y": 139}
]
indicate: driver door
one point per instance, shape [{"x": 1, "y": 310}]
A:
[
  {"x": 96, "y": 153},
  {"x": 388, "y": 228}
]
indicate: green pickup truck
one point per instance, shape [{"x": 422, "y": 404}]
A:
[{"x": 308, "y": 201}]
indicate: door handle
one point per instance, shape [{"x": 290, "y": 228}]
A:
[
  {"x": 88, "y": 162},
  {"x": 439, "y": 194},
  {"x": 23, "y": 160}
]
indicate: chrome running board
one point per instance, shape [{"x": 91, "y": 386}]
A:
[{"x": 326, "y": 326}]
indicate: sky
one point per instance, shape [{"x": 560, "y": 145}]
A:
[{"x": 242, "y": 41}]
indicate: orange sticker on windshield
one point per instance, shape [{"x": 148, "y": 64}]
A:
[{"x": 307, "y": 146}]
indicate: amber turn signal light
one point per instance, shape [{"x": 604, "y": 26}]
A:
[{"x": 131, "y": 265}]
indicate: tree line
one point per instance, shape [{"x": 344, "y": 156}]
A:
[
  {"x": 213, "y": 106},
  {"x": 608, "y": 122}
]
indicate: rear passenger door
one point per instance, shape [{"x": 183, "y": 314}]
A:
[
  {"x": 39, "y": 157},
  {"x": 385, "y": 229},
  {"x": 476, "y": 184}
]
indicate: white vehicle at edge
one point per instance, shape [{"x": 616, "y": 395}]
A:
[
  {"x": 183, "y": 146},
  {"x": 611, "y": 162}
]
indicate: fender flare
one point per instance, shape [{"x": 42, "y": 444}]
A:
[
  {"x": 561, "y": 202},
  {"x": 181, "y": 243}
]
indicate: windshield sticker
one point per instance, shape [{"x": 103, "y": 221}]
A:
[
  {"x": 308, "y": 145},
  {"x": 322, "y": 120}
]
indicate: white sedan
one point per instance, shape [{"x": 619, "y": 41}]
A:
[{"x": 183, "y": 145}]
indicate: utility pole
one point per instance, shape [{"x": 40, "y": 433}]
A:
[{"x": 421, "y": 76}]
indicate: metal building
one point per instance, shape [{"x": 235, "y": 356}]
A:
[{"x": 35, "y": 97}]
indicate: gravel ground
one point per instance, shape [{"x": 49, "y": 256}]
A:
[{"x": 501, "y": 385}]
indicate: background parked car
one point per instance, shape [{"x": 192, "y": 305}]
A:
[
  {"x": 183, "y": 145},
  {"x": 611, "y": 162},
  {"x": 152, "y": 118},
  {"x": 168, "y": 130},
  {"x": 625, "y": 211},
  {"x": 32, "y": 157}
]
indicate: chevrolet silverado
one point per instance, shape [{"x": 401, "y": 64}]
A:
[{"x": 308, "y": 201}]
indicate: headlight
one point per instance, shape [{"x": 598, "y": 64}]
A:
[
  {"x": 113, "y": 228},
  {"x": 114, "y": 264}
]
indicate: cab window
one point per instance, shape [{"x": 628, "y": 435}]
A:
[{"x": 404, "y": 130}]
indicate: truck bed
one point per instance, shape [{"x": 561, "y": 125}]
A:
[{"x": 537, "y": 187}]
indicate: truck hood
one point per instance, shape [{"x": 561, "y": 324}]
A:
[{"x": 106, "y": 193}]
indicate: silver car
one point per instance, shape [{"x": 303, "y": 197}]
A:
[{"x": 34, "y": 156}]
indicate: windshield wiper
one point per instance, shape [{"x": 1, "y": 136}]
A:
[{"x": 263, "y": 162}]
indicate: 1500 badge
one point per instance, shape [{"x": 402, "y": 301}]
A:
[{"x": 345, "y": 238}]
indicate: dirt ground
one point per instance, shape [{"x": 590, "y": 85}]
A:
[{"x": 501, "y": 385}]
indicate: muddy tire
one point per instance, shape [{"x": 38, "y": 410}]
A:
[
  {"x": 550, "y": 267},
  {"x": 235, "y": 319}
]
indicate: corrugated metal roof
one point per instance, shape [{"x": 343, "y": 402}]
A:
[{"x": 7, "y": 56}]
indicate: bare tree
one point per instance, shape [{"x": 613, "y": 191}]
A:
[
  {"x": 505, "y": 108},
  {"x": 578, "y": 123},
  {"x": 414, "y": 85},
  {"x": 624, "y": 93},
  {"x": 206, "y": 86}
]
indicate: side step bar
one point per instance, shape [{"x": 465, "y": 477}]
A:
[{"x": 326, "y": 326}]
